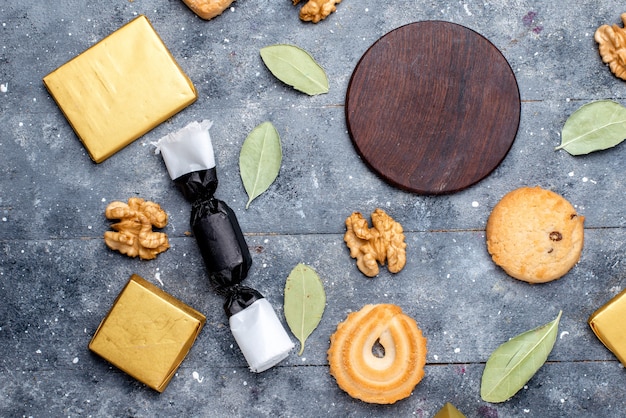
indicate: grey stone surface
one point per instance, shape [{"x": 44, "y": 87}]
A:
[{"x": 58, "y": 279}]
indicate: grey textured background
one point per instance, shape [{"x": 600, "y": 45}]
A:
[{"x": 58, "y": 279}]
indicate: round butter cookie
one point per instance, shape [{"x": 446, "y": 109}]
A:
[
  {"x": 535, "y": 235},
  {"x": 377, "y": 354}
]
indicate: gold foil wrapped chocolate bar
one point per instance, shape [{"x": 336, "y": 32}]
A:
[
  {"x": 608, "y": 325},
  {"x": 147, "y": 333},
  {"x": 120, "y": 88},
  {"x": 190, "y": 161}
]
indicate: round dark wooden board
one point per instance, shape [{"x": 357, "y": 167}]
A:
[{"x": 433, "y": 107}]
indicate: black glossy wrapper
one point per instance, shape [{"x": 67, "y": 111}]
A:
[
  {"x": 220, "y": 239},
  {"x": 221, "y": 243},
  {"x": 190, "y": 160},
  {"x": 239, "y": 299},
  {"x": 198, "y": 185}
]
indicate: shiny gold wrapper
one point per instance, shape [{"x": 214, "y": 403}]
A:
[
  {"x": 147, "y": 333},
  {"x": 449, "y": 411},
  {"x": 609, "y": 326},
  {"x": 120, "y": 88}
]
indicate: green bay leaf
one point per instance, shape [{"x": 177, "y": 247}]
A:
[
  {"x": 305, "y": 301},
  {"x": 295, "y": 67},
  {"x": 516, "y": 361},
  {"x": 259, "y": 160},
  {"x": 594, "y": 126}
]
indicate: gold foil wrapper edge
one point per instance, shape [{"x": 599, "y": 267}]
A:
[
  {"x": 609, "y": 325},
  {"x": 147, "y": 333},
  {"x": 120, "y": 88}
]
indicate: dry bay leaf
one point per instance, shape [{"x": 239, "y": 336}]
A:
[
  {"x": 259, "y": 160},
  {"x": 594, "y": 126},
  {"x": 305, "y": 301},
  {"x": 516, "y": 361},
  {"x": 295, "y": 67}
]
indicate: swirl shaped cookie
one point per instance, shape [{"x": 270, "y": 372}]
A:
[
  {"x": 382, "y": 377},
  {"x": 535, "y": 235}
]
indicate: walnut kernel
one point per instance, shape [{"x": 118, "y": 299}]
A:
[
  {"x": 316, "y": 10},
  {"x": 384, "y": 242},
  {"x": 612, "y": 46},
  {"x": 133, "y": 234}
]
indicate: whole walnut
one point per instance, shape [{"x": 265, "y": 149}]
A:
[
  {"x": 133, "y": 234},
  {"x": 384, "y": 242},
  {"x": 612, "y": 46}
]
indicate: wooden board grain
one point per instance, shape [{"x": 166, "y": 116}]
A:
[{"x": 433, "y": 107}]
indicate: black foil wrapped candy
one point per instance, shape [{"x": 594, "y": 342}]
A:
[
  {"x": 216, "y": 229},
  {"x": 190, "y": 161}
]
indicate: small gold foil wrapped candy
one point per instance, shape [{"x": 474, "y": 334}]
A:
[
  {"x": 147, "y": 333},
  {"x": 609, "y": 326},
  {"x": 120, "y": 88},
  {"x": 449, "y": 411}
]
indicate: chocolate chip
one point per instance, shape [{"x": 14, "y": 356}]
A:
[
  {"x": 556, "y": 236},
  {"x": 573, "y": 215},
  {"x": 550, "y": 250}
]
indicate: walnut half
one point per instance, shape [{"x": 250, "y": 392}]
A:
[
  {"x": 133, "y": 234},
  {"x": 316, "y": 10},
  {"x": 384, "y": 242},
  {"x": 612, "y": 45}
]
